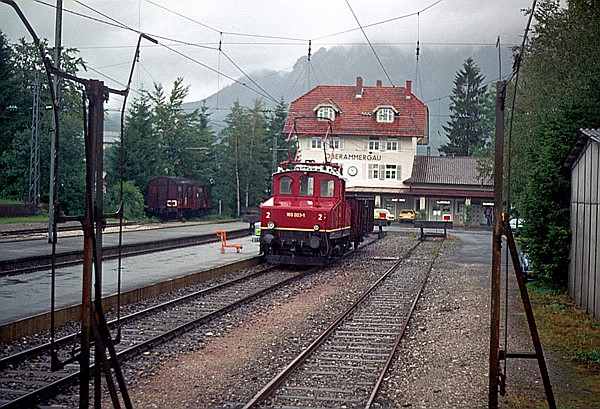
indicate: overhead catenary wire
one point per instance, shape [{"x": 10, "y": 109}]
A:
[
  {"x": 224, "y": 32},
  {"x": 379, "y": 22},
  {"x": 214, "y": 46},
  {"x": 124, "y": 26},
  {"x": 291, "y": 41},
  {"x": 266, "y": 93},
  {"x": 370, "y": 45},
  {"x": 176, "y": 42}
]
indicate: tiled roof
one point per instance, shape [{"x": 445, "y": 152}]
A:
[
  {"x": 357, "y": 116},
  {"x": 447, "y": 170}
]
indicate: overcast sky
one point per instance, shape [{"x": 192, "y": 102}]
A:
[{"x": 280, "y": 32}]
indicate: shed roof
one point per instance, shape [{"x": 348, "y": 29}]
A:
[{"x": 448, "y": 170}]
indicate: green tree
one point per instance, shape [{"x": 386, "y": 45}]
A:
[
  {"x": 14, "y": 165},
  {"x": 15, "y": 107},
  {"x": 275, "y": 125},
  {"x": 561, "y": 53},
  {"x": 545, "y": 200},
  {"x": 133, "y": 200},
  {"x": 228, "y": 190},
  {"x": 244, "y": 168},
  {"x": 257, "y": 165},
  {"x": 467, "y": 129},
  {"x": 160, "y": 138},
  {"x": 141, "y": 156},
  {"x": 14, "y": 160},
  {"x": 181, "y": 135}
]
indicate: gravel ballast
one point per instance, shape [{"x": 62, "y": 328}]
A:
[{"x": 442, "y": 363}]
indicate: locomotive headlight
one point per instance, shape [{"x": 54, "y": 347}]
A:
[
  {"x": 271, "y": 225},
  {"x": 316, "y": 227}
]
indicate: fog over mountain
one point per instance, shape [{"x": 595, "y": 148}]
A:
[{"x": 432, "y": 78}]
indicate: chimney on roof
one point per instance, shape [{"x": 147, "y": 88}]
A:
[
  {"x": 359, "y": 87},
  {"x": 408, "y": 89},
  {"x": 379, "y": 83}
]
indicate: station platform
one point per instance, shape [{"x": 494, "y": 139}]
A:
[
  {"x": 12, "y": 250},
  {"x": 28, "y": 295}
]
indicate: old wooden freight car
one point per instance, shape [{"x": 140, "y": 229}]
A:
[{"x": 177, "y": 198}]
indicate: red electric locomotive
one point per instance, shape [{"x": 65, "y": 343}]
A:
[{"x": 310, "y": 218}]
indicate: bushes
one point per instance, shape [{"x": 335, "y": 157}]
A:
[{"x": 132, "y": 198}]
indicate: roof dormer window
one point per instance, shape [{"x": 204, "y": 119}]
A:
[
  {"x": 325, "y": 113},
  {"x": 385, "y": 115}
]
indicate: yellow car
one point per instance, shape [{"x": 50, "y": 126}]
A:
[{"x": 406, "y": 215}]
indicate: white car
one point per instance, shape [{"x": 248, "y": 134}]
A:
[
  {"x": 383, "y": 217},
  {"x": 516, "y": 224}
]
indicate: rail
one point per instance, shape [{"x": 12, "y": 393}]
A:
[
  {"x": 224, "y": 298},
  {"x": 377, "y": 321}
]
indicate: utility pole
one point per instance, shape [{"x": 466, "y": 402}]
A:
[
  {"x": 494, "y": 380},
  {"x": 273, "y": 160},
  {"x": 53, "y": 153},
  {"x": 34, "y": 155}
]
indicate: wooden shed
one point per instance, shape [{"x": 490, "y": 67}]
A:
[{"x": 584, "y": 267}]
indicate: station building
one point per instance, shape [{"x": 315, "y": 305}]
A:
[{"x": 373, "y": 133}]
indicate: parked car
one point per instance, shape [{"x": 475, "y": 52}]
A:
[
  {"x": 383, "y": 217},
  {"x": 516, "y": 224},
  {"x": 406, "y": 215},
  {"x": 526, "y": 270}
]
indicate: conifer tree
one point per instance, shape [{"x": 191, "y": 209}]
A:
[{"x": 465, "y": 130}]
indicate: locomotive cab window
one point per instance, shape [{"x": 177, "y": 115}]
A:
[
  {"x": 307, "y": 184},
  {"x": 327, "y": 186},
  {"x": 285, "y": 186}
]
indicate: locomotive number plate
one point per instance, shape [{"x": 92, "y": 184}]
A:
[{"x": 293, "y": 214}]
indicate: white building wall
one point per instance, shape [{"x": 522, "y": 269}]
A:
[{"x": 354, "y": 153}]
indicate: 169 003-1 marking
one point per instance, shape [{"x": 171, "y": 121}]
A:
[{"x": 296, "y": 214}]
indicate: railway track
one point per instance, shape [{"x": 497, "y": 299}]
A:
[
  {"x": 345, "y": 366},
  {"x": 26, "y": 378}
]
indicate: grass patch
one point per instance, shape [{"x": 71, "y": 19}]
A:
[
  {"x": 573, "y": 335},
  {"x": 10, "y": 201},
  {"x": 29, "y": 219},
  {"x": 566, "y": 327}
]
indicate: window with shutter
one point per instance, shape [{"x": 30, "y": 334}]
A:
[
  {"x": 373, "y": 171},
  {"x": 392, "y": 144},
  {"x": 391, "y": 172},
  {"x": 373, "y": 143}
]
